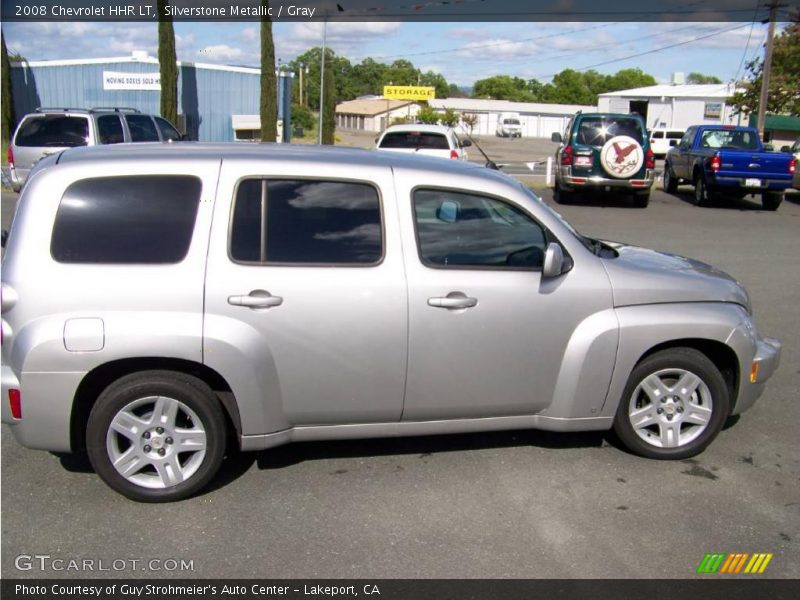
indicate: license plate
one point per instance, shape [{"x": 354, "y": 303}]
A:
[
  {"x": 583, "y": 161},
  {"x": 752, "y": 183}
]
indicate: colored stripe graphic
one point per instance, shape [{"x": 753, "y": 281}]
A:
[{"x": 734, "y": 563}]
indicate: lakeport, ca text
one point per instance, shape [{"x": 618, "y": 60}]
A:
[{"x": 152, "y": 590}]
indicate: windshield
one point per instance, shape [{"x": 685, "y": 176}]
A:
[
  {"x": 729, "y": 140},
  {"x": 511, "y": 122},
  {"x": 53, "y": 131},
  {"x": 418, "y": 140},
  {"x": 596, "y": 131}
]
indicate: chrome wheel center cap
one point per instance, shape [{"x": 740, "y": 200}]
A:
[{"x": 157, "y": 442}]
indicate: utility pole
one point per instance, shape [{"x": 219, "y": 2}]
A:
[
  {"x": 322, "y": 77},
  {"x": 766, "y": 69}
]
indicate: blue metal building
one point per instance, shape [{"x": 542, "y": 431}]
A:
[{"x": 208, "y": 95}]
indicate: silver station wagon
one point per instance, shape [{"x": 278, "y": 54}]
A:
[{"x": 159, "y": 300}]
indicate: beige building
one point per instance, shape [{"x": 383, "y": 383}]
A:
[{"x": 372, "y": 114}]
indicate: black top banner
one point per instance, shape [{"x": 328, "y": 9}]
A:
[{"x": 399, "y": 10}]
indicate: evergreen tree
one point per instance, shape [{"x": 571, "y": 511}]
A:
[
  {"x": 167, "y": 61},
  {"x": 269, "y": 86},
  {"x": 9, "y": 120},
  {"x": 329, "y": 105}
]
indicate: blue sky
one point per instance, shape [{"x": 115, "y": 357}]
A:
[{"x": 463, "y": 52}]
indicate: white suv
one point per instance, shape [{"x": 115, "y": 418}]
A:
[{"x": 428, "y": 140}]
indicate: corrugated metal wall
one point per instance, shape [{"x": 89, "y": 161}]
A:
[{"x": 208, "y": 97}]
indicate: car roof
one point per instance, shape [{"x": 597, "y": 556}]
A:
[
  {"x": 163, "y": 151},
  {"x": 418, "y": 127},
  {"x": 608, "y": 115}
]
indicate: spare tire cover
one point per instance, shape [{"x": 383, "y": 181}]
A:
[{"x": 622, "y": 157}]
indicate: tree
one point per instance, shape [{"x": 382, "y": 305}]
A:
[
  {"x": 784, "y": 81},
  {"x": 167, "y": 61},
  {"x": 502, "y": 87},
  {"x": 329, "y": 106},
  {"x": 9, "y": 119},
  {"x": 268, "y": 106},
  {"x": 699, "y": 78},
  {"x": 470, "y": 120},
  {"x": 427, "y": 115},
  {"x": 449, "y": 118}
]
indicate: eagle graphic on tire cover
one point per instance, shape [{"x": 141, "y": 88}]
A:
[{"x": 622, "y": 157}]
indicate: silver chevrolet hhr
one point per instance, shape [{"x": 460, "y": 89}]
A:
[{"x": 157, "y": 300}]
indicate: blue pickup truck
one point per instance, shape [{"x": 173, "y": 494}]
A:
[{"x": 726, "y": 160}]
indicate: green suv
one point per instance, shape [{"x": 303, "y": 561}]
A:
[{"x": 604, "y": 152}]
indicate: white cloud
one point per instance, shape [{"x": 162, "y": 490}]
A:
[{"x": 221, "y": 53}]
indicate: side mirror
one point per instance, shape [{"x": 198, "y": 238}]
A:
[
  {"x": 786, "y": 149},
  {"x": 467, "y": 144},
  {"x": 556, "y": 137},
  {"x": 3, "y": 238},
  {"x": 553, "y": 261}
]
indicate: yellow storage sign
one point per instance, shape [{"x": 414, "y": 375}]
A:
[{"x": 408, "y": 92}]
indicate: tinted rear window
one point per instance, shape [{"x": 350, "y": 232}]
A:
[
  {"x": 416, "y": 140},
  {"x": 596, "y": 131},
  {"x": 145, "y": 219},
  {"x": 168, "y": 132},
  {"x": 53, "y": 131},
  {"x": 306, "y": 222},
  {"x": 725, "y": 139},
  {"x": 109, "y": 129}
]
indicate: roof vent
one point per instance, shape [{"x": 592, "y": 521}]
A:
[
  {"x": 678, "y": 78},
  {"x": 139, "y": 54}
]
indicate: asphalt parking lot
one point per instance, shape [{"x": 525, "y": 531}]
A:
[{"x": 522, "y": 504}]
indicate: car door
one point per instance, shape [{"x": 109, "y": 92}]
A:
[
  {"x": 487, "y": 335},
  {"x": 305, "y": 293},
  {"x": 679, "y": 157}
]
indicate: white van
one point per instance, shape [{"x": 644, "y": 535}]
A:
[
  {"x": 662, "y": 139},
  {"x": 509, "y": 125}
]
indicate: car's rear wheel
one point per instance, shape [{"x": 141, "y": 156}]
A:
[
  {"x": 560, "y": 195},
  {"x": 771, "y": 200},
  {"x": 670, "y": 181},
  {"x": 673, "y": 406},
  {"x": 700, "y": 190},
  {"x": 641, "y": 199},
  {"x": 156, "y": 436}
]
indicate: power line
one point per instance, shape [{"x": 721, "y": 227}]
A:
[
  {"x": 653, "y": 51},
  {"x": 747, "y": 45}
]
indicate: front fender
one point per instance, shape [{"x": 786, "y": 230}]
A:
[{"x": 642, "y": 328}]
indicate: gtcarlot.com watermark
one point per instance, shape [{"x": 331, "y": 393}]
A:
[{"x": 48, "y": 563}]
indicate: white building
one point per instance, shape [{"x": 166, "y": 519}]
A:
[
  {"x": 538, "y": 120},
  {"x": 674, "y": 106},
  {"x": 372, "y": 114}
]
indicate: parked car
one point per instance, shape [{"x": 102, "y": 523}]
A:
[
  {"x": 662, "y": 139},
  {"x": 49, "y": 130},
  {"x": 729, "y": 160},
  {"x": 157, "y": 300},
  {"x": 427, "y": 140},
  {"x": 509, "y": 125},
  {"x": 794, "y": 150},
  {"x": 604, "y": 152}
]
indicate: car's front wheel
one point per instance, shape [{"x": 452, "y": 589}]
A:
[
  {"x": 673, "y": 406},
  {"x": 156, "y": 436}
]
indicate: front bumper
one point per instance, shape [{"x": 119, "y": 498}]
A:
[
  {"x": 765, "y": 362},
  {"x": 572, "y": 181}
]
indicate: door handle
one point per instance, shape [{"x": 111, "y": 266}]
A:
[
  {"x": 453, "y": 300},
  {"x": 256, "y": 299}
]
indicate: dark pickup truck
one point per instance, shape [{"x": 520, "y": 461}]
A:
[{"x": 722, "y": 159}]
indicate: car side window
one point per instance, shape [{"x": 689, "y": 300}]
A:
[
  {"x": 168, "y": 132},
  {"x": 462, "y": 230},
  {"x": 137, "y": 219},
  {"x": 109, "y": 129},
  {"x": 311, "y": 222},
  {"x": 687, "y": 139},
  {"x": 142, "y": 128}
]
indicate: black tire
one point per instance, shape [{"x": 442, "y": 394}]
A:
[
  {"x": 561, "y": 196},
  {"x": 701, "y": 195},
  {"x": 193, "y": 438},
  {"x": 670, "y": 181},
  {"x": 641, "y": 199},
  {"x": 709, "y": 400},
  {"x": 771, "y": 200}
]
